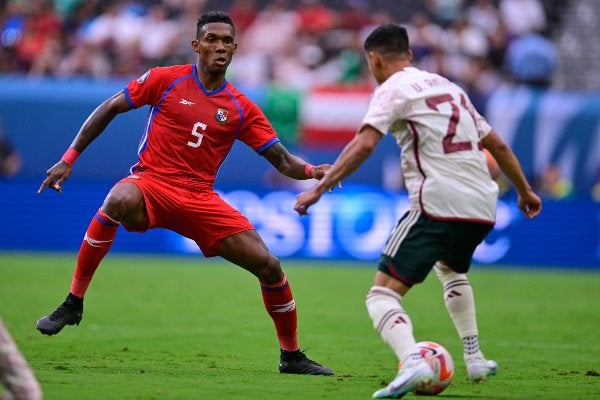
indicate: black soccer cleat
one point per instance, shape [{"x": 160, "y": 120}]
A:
[
  {"x": 69, "y": 312},
  {"x": 296, "y": 362}
]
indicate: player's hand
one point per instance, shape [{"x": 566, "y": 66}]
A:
[
  {"x": 319, "y": 172},
  {"x": 306, "y": 199},
  {"x": 530, "y": 204},
  {"x": 56, "y": 176}
]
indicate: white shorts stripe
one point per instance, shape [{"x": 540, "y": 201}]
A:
[{"x": 400, "y": 232}]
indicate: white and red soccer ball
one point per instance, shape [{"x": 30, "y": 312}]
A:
[{"x": 442, "y": 365}]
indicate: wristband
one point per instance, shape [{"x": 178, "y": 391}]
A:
[
  {"x": 70, "y": 156},
  {"x": 307, "y": 169}
]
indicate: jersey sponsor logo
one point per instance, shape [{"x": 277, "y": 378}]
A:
[
  {"x": 221, "y": 116},
  {"x": 186, "y": 102},
  {"x": 143, "y": 78}
]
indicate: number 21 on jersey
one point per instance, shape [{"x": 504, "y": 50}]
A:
[{"x": 450, "y": 146}]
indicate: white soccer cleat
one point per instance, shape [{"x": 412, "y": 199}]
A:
[
  {"x": 408, "y": 378},
  {"x": 479, "y": 368}
]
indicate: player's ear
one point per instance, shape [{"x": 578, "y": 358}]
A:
[
  {"x": 409, "y": 55},
  {"x": 196, "y": 45},
  {"x": 376, "y": 59}
]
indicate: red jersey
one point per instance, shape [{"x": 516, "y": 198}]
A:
[{"x": 191, "y": 130}]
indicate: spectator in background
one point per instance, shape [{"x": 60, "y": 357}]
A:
[
  {"x": 315, "y": 18},
  {"x": 445, "y": 12},
  {"x": 117, "y": 31},
  {"x": 85, "y": 59},
  {"x": 425, "y": 38},
  {"x": 311, "y": 42},
  {"x": 185, "y": 13},
  {"x": 243, "y": 13},
  {"x": 272, "y": 18},
  {"x": 532, "y": 59},
  {"x": 257, "y": 58},
  {"x": 522, "y": 16},
  {"x": 553, "y": 184},
  {"x": 484, "y": 15},
  {"x": 75, "y": 21},
  {"x": 158, "y": 35},
  {"x": 498, "y": 41},
  {"x": 41, "y": 28},
  {"x": 48, "y": 58},
  {"x": 378, "y": 17},
  {"x": 463, "y": 43},
  {"x": 355, "y": 15}
]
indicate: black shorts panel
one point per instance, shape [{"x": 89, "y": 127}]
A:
[{"x": 418, "y": 242}]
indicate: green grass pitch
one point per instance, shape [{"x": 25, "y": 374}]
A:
[{"x": 192, "y": 328}]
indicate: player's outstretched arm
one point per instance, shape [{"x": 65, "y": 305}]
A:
[
  {"x": 352, "y": 156},
  {"x": 291, "y": 165},
  {"x": 93, "y": 126},
  {"x": 529, "y": 202}
]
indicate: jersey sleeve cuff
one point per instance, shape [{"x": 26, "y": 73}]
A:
[
  {"x": 128, "y": 98},
  {"x": 265, "y": 146}
]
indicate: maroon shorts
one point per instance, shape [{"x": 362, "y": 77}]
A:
[{"x": 201, "y": 215}]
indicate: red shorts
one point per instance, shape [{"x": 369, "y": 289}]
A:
[{"x": 201, "y": 215}]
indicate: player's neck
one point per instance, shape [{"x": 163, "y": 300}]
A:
[
  {"x": 396, "y": 66},
  {"x": 210, "y": 81}
]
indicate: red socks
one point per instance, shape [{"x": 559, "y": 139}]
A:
[
  {"x": 281, "y": 306},
  {"x": 96, "y": 243}
]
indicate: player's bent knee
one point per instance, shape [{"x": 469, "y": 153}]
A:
[
  {"x": 445, "y": 274},
  {"x": 270, "y": 272},
  {"x": 122, "y": 201}
]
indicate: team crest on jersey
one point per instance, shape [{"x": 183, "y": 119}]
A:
[
  {"x": 143, "y": 78},
  {"x": 221, "y": 116}
]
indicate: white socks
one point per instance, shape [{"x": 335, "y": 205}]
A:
[
  {"x": 460, "y": 303},
  {"x": 391, "y": 321}
]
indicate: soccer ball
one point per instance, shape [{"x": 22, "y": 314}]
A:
[{"x": 442, "y": 365}]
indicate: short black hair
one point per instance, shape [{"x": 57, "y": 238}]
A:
[
  {"x": 213, "y": 16},
  {"x": 388, "y": 38}
]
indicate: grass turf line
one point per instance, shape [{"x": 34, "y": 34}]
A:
[{"x": 191, "y": 328}]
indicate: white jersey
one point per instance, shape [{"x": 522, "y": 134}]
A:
[{"x": 439, "y": 132}]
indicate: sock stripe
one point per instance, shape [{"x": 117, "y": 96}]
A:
[
  {"x": 453, "y": 284},
  {"x": 386, "y": 317},
  {"x": 383, "y": 291},
  {"x": 105, "y": 219},
  {"x": 276, "y": 287},
  {"x": 373, "y": 293}
]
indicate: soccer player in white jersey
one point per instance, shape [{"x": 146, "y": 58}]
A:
[{"x": 452, "y": 199}]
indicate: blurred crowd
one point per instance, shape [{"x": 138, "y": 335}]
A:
[{"x": 297, "y": 43}]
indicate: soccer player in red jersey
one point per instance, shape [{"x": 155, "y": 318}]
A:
[{"x": 195, "y": 117}]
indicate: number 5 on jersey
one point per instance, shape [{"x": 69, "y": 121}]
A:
[{"x": 197, "y": 125}]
